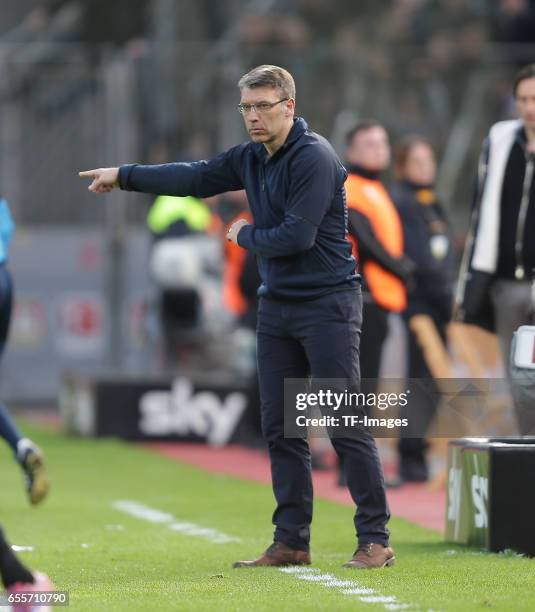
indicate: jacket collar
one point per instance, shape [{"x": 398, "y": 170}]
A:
[
  {"x": 299, "y": 127},
  {"x": 367, "y": 174},
  {"x": 522, "y": 140},
  {"x": 416, "y": 186}
]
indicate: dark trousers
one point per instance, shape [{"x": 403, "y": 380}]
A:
[
  {"x": 374, "y": 333},
  {"x": 319, "y": 338}
]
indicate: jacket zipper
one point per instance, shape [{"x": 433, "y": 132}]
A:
[{"x": 520, "y": 273}]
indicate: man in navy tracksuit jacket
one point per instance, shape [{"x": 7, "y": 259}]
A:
[{"x": 310, "y": 308}]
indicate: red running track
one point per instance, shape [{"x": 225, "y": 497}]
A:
[{"x": 413, "y": 502}]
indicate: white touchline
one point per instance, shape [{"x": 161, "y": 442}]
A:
[
  {"x": 298, "y": 569},
  {"x": 336, "y": 582},
  {"x": 379, "y": 599},
  {"x": 157, "y": 516},
  {"x": 309, "y": 574},
  {"x": 346, "y": 587},
  {"x": 358, "y": 591},
  {"x": 142, "y": 512},
  {"x": 203, "y": 532},
  {"x": 316, "y": 577}
]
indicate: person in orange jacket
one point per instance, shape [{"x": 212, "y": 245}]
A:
[
  {"x": 377, "y": 235},
  {"x": 240, "y": 286},
  {"x": 241, "y": 279}
]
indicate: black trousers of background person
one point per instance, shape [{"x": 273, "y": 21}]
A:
[
  {"x": 422, "y": 408},
  {"x": 320, "y": 338},
  {"x": 372, "y": 338}
]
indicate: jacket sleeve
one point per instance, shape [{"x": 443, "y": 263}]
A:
[
  {"x": 371, "y": 249},
  {"x": 431, "y": 287},
  {"x": 466, "y": 305},
  {"x": 313, "y": 183},
  {"x": 482, "y": 167},
  {"x": 200, "y": 179},
  {"x": 416, "y": 239}
]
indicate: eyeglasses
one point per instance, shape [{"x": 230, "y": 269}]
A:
[{"x": 260, "y": 108}]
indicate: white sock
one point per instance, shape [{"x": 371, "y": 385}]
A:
[{"x": 23, "y": 445}]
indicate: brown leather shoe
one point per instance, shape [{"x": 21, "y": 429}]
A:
[
  {"x": 370, "y": 556},
  {"x": 276, "y": 555}
]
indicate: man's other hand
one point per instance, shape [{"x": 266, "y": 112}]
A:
[
  {"x": 104, "y": 179},
  {"x": 234, "y": 230}
]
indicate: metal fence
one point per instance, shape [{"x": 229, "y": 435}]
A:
[{"x": 57, "y": 117}]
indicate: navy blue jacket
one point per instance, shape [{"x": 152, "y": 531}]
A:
[
  {"x": 428, "y": 243},
  {"x": 297, "y": 199}
]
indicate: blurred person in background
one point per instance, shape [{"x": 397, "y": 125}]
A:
[
  {"x": 176, "y": 266},
  {"x": 28, "y": 455},
  {"x": 240, "y": 276},
  {"x": 428, "y": 243},
  {"x": 309, "y": 315},
  {"x": 377, "y": 236},
  {"x": 241, "y": 281},
  {"x": 495, "y": 284}
]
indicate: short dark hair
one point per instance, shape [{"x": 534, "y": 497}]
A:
[
  {"x": 269, "y": 76},
  {"x": 361, "y": 126},
  {"x": 528, "y": 72}
]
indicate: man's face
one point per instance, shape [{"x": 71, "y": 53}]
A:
[
  {"x": 266, "y": 126},
  {"x": 525, "y": 102},
  {"x": 370, "y": 149}
]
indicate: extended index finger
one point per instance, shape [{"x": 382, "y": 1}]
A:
[{"x": 88, "y": 173}]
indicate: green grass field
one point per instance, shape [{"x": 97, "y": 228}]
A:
[{"x": 110, "y": 560}]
